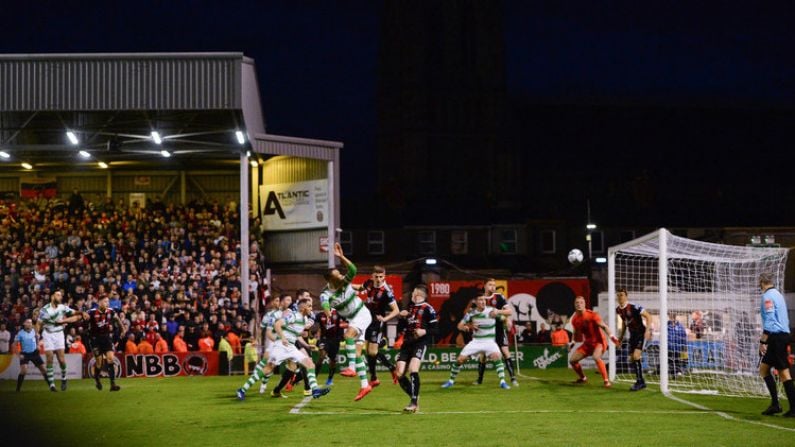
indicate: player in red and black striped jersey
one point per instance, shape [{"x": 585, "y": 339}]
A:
[
  {"x": 498, "y": 301},
  {"x": 635, "y": 319},
  {"x": 331, "y": 328},
  {"x": 100, "y": 329},
  {"x": 418, "y": 324},
  {"x": 380, "y": 301}
]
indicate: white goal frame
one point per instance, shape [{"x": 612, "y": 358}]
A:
[{"x": 662, "y": 238}]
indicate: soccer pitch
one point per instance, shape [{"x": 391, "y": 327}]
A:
[{"x": 545, "y": 410}]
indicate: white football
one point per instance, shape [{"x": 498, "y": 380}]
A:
[{"x": 575, "y": 256}]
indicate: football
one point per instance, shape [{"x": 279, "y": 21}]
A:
[{"x": 575, "y": 256}]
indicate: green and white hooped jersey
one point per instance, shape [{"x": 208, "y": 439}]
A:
[
  {"x": 269, "y": 319},
  {"x": 345, "y": 300},
  {"x": 294, "y": 324},
  {"x": 486, "y": 324},
  {"x": 49, "y": 317}
]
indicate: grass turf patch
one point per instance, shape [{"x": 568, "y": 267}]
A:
[{"x": 546, "y": 409}]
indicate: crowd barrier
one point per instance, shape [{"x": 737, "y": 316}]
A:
[{"x": 9, "y": 367}]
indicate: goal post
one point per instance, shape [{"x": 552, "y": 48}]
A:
[{"x": 704, "y": 301}]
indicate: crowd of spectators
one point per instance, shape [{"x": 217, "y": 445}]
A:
[{"x": 172, "y": 271}]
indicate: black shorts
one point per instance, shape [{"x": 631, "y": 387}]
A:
[
  {"x": 34, "y": 357},
  {"x": 637, "y": 340},
  {"x": 501, "y": 337},
  {"x": 374, "y": 333},
  {"x": 777, "y": 354},
  {"x": 412, "y": 350},
  {"x": 101, "y": 344},
  {"x": 330, "y": 346}
]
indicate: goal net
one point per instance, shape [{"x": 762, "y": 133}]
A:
[{"x": 704, "y": 302}]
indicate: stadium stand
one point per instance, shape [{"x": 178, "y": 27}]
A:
[{"x": 164, "y": 266}]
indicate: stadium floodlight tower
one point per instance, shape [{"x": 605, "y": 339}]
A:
[{"x": 678, "y": 278}]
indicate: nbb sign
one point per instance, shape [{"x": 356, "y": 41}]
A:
[{"x": 171, "y": 364}]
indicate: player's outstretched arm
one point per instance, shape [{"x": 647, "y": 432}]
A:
[
  {"x": 73, "y": 319},
  {"x": 609, "y": 334},
  {"x": 505, "y": 311},
  {"x": 349, "y": 265}
]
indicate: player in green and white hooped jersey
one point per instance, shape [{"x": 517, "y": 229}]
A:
[
  {"x": 481, "y": 321},
  {"x": 288, "y": 329},
  {"x": 50, "y": 325},
  {"x": 268, "y": 320},
  {"x": 340, "y": 295}
]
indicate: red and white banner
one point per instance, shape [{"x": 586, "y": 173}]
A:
[{"x": 549, "y": 301}]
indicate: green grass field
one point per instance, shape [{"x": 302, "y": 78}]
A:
[{"x": 545, "y": 410}]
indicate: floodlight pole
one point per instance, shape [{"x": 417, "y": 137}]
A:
[
  {"x": 332, "y": 217},
  {"x": 244, "y": 237},
  {"x": 589, "y": 227}
]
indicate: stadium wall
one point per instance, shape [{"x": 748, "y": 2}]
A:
[
  {"x": 294, "y": 246},
  {"x": 169, "y": 186}
]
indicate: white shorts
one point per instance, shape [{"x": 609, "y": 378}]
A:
[
  {"x": 53, "y": 340},
  {"x": 360, "y": 322},
  {"x": 268, "y": 345},
  {"x": 280, "y": 353},
  {"x": 480, "y": 346}
]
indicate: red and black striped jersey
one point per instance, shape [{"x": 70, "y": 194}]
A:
[
  {"x": 379, "y": 300},
  {"x": 100, "y": 322},
  {"x": 421, "y": 316},
  {"x": 330, "y": 326},
  {"x": 631, "y": 316}
]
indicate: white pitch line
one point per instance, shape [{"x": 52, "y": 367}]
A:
[
  {"x": 362, "y": 413},
  {"x": 726, "y": 415},
  {"x": 297, "y": 408}
]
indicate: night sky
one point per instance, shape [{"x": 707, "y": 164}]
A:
[{"x": 317, "y": 64}]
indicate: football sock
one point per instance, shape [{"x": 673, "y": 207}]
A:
[
  {"x": 385, "y": 361},
  {"x": 287, "y": 375},
  {"x": 266, "y": 377},
  {"x": 371, "y": 366},
  {"x": 311, "y": 379},
  {"x": 50, "y": 379},
  {"x": 481, "y": 371},
  {"x": 256, "y": 375},
  {"x": 509, "y": 365},
  {"x": 350, "y": 351},
  {"x": 361, "y": 371},
  {"x": 111, "y": 372},
  {"x": 332, "y": 368},
  {"x": 405, "y": 384},
  {"x": 600, "y": 365},
  {"x": 454, "y": 371},
  {"x": 63, "y": 371},
  {"x": 789, "y": 389},
  {"x": 771, "y": 387},
  {"x": 97, "y": 372},
  {"x": 261, "y": 367},
  {"x": 415, "y": 387},
  {"x": 578, "y": 369},
  {"x": 638, "y": 367},
  {"x": 20, "y": 378},
  {"x": 500, "y": 369}
]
